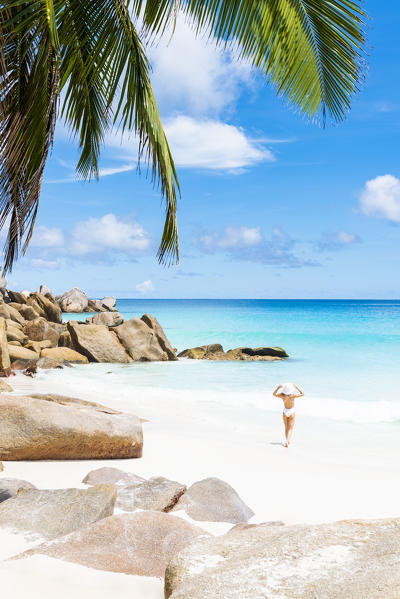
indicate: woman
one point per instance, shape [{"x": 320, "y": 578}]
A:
[{"x": 288, "y": 393}]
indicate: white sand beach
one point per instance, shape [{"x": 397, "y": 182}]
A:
[{"x": 333, "y": 470}]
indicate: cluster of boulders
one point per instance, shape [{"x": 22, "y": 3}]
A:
[
  {"x": 215, "y": 351},
  {"x": 147, "y": 537},
  {"x": 33, "y": 334}
]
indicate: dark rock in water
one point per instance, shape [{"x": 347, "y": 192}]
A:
[
  {"x": 49, "y": 364},
  {"x": 9, "y": 487},
  {"x": 56, "y": 512},
  {"x": 213, "y": 500},
  {"x": 109, "y": 476},
  {"x": 55, "y": 427},
  {"x": 142, "y": 543},
  {"x": 157, "y": 493},
  {"x": 344, "y": 560},
  {"x": 215, "y": 351}
]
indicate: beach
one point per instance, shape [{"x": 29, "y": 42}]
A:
[{"x": 205, "y": 419}]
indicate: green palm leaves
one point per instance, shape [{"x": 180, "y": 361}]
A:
[{"x": 90, "y": 54}]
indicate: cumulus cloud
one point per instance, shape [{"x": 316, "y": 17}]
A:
[
  {"x": 145, "y": 287},
  {"x": 337, "y": 241},
  {"x": 232, "y": 238},
  {"x": 246, "y": 243},
  {"x": 381, "y": 197},
  {"x": 104, "y": 238},
  {"x": 41, "y": 264},
  {"x": 191, "y": 74},
  {"x": 46, "y": 237},
  {"x": 109, "y": 233},
  {"x": 201, "y": 143}
]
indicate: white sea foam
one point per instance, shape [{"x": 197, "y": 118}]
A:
[{"x": 100, "y": 382}]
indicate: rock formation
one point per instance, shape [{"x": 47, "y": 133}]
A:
[
  {"x": 56, "y": 512},
  {"x": 141, "y": 543},
  {"x": 352, "y": 559},
  {"x": 215, "y": 351},
  {"x": 213, "y": 500},
  {"x": 53, "y": 427}
]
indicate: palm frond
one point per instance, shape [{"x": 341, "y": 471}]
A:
[
  {"x": 28, "y": 108},
  {"x": 311, "y": 50}
]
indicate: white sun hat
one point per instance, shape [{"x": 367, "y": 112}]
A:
[{"x": 288, "y": 389}]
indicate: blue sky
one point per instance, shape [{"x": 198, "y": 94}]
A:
[{"x": 272, "y": 206}]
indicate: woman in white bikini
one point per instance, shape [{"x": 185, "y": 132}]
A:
[{"x": 288, "y": 393}]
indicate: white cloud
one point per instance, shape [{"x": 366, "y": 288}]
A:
[
  {"x": 201, "y": 143},
  {"x": 106, "y": 172},
  {"x": 96, "y": 235},
  {"x": 212, "y": 144},
  {"x": 232, "y": 238},
  {"x": 190, "y": 74},
  {"x": 45, "y": 237},
  {"x": 40, "y": 263},
  {"x": 346, "y": 238},
  {"x": 145, "y": 287},
  {"x": 337, "y": 241},
  {"x": 247, "y": 243},
  {"x": 381, "y": 197}
]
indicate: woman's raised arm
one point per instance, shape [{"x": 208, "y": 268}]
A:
[{"x": 275, "y": 393}]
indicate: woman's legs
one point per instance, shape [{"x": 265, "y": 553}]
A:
[
  {"x": 288, "y": 421},
  {"x": 289, "y": 429}
]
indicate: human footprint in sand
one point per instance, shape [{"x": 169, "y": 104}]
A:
[{"x": 288, "y": 392}]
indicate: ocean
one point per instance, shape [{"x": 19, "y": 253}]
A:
[{"x": 344, "y": 354}]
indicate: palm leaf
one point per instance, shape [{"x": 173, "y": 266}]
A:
[{"x": 311, "y": 50}]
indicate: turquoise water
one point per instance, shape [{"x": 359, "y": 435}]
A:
[{"x": 340, "y": 351}]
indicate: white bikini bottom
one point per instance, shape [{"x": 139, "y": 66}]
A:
[{"x": 289, "y": 411}]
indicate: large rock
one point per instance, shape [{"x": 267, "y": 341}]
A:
[
  {"x": 21, "y": 357},
  {"x": 64, "y": 354},
  {"x": 41, "y": 330},
  {"x": 215, "y": 351},
  {"x": 56, "y": 512},
  {"x": 97, "y": 343},
  {"x": 96, "y": 306},
  {"x": 9, "y": 487},
  {"x": 140, "y": 341},
  {"x": 53, "y": 427},
  {"x": 10, "y": 313},
  {"x": 65, "y": 340},
  {"x": 110, "y": 319},
  {"x": 17, "y": 297},
  {"x": 350, "y": 559},
  {"x": 142, "y": 543},
  {"x": 5, "y": 364},
  {"x": 28, "y": 312},
  {"x": 38, "y": 346},
  {"x": 109, "y": 302},
  {"x": 213, "y": 500},
  {"x": 44, "y": 290},
  {"x": 14, "y": 334},
  {"x": 49, "y": 305},
  {"x": 157, "y": 493},
  {"x": 109, "y": 476},
  {"x": 165, "y": 345},
  {"x": 74, "y": 300}
]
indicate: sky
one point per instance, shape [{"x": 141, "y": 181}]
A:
[{"x": 272, "y": 206}]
